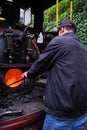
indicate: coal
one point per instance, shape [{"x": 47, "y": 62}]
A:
[{"x": 25, "y": 101}]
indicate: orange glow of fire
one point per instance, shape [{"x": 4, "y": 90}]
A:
[{"x": 12, "y": 76}]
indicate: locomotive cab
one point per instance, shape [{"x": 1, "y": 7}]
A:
[{"x": 21, "y": 100}]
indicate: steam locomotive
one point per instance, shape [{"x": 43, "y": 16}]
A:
[
  {"x": 17, "y": 47},
  {"x": 21, "y": 100},
  {"x": 18, "y": 50}
]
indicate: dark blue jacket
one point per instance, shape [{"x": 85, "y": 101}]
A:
[{"x": 65, "y": 60}]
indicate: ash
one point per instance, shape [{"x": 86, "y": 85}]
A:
[{"x": 21, "y": 103}]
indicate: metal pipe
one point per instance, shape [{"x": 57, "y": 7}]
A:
[
  {"x": 70, "y": 9},
  {"x": 57, "y": 1}
]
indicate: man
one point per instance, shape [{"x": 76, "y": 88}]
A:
[{"x": 65, "y": 60}]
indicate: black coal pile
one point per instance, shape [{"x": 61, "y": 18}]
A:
[{"x": 16, "y": 104}]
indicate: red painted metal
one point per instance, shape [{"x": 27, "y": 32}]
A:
[{"x": 23, "y": 121}]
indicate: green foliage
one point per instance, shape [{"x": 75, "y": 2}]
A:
[
  {"x": 50, "y": 15},
  {"x": 50, "y": 18},
  {"x": 79, "y": 16}
]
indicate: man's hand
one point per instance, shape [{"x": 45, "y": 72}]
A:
[{"x": 24, "y": 75}]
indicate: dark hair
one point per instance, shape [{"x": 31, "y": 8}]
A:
[{"x": 70, "y": 28}]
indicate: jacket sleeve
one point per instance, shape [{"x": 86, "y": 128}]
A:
[{"x": 45, "y": 60}]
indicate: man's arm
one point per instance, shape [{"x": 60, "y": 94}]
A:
[{"x": 45, "y": 60}]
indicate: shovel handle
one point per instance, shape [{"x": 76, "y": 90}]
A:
[{"x": 16, "y": 81}]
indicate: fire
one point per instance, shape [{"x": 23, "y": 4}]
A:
[{"x": 12, "y": 76}]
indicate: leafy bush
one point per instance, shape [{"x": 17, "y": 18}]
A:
[{"x": 79, "y": 16}]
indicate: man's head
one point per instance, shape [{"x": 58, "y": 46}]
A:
[{"x": 67, "y": 26}]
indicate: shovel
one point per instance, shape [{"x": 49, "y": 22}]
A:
[{"x": 8, "y": 113}]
